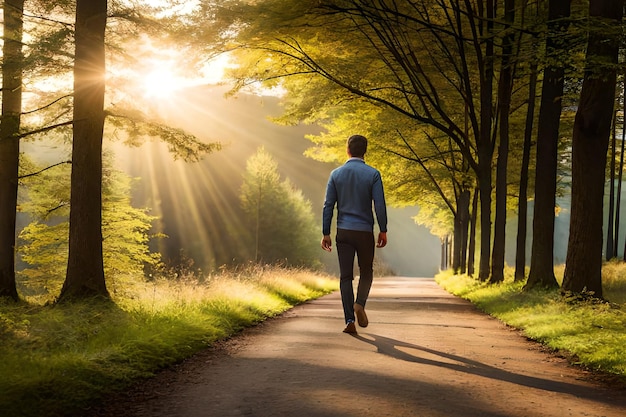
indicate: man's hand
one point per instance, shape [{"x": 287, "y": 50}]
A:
[
  {"x": 327, "y": 243},
  {"x": 382, "y": 240}
]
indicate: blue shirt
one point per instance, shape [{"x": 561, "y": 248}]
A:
[{"x": 353, "y": 187}]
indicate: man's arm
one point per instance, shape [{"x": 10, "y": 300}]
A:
[
  {"x": 327, "y": 214},
  {"x": 380, "y": 206}
]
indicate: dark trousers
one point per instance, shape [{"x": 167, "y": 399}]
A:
[{"x": 349, "y": 244}]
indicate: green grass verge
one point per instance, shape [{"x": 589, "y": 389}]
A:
[
  {"x": 590, "y": 333},
  {"x": 56, "y": 360}
]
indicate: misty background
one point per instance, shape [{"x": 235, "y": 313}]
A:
[{"x": 198, "y": 203}]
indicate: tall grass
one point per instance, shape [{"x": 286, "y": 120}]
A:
[
  {"x": 614, "y": 282},
  {"x": 591, "y": 332},
  {"x": 57, "y": 359}
]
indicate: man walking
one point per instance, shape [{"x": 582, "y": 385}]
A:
[{"x": 353, "y": 187}]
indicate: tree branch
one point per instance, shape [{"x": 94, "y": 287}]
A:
[
  {"x": 45, "y": 129},
  {"x": 21, "y": 177},
  {"x": 48, "y": 105}
]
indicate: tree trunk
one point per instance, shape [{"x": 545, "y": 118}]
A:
[
  {"x": 542, "y": 256},
  {"x": 471, "y": 251},
  {"x": 85, "y": 271},
  {"x": 463, "y": 206},
  {"x": 610, "y": 243},
  {"x": 485, "y": 146},
  {"x": 621, "y": 168},
  {"x": 12, "y": 64},
  {"x": 499, "y": 235},
  {"x": 522, "y": 210},
  {"x": 442, "y": 260},
  {"x": 505, "y": 90},
  {"x": 592, "y": 125},
  {"x": 461, "y": 224},
  {"x": 456, "y": 244},
  {"x": 619, "y": 197},
  {"x": 484, "y": 184}
]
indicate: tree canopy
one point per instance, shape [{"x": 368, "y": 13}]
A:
[{"x": 441, "y": 86}]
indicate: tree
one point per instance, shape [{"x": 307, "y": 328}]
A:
[
  {"x": 592, "y": 125},
  {"x": 44, "y": 243},
  {"x": 281, "y": 219},
  {"x": 484, "y": 145},
  {"x": 472, "y": 235},
  {"x": 85, "y": 269},
  {"x": 48, "y": 56},
  {"x": 522, "y": 223},
  {"x": 12, "y": 62},
  {"x": 612, "y": 246},
  {"x": 505, "y": 91},
  {"x": 610, "y": 241},
  {"x": 24, "y": 58},
  {"x": 621, "y": 165},
  {"x": 542, "y": 256}
]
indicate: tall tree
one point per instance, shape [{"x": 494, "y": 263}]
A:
[
  {"x": 85, "y": 270},
  {"x": 505, "y": 91},
  {"x": 616, "y": 171},
  {"x": 471, "y": 249},
  {"x": 592, "y": 125},
  {"x": 610, "y": 241},
  {"x": 48, "y": 46},
  {"x": 542, "y": 256},
  {"x": 620, "y": 165},
  {"x": 280, "y": 218},
  {"x": 484, "y": 143},
  {"x": 522, "y": 211},
  {"x": 12, "y": 64}
]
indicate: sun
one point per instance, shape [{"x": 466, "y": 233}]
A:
[
  {"x": 161, "y": 74},
  {"x": 164, "y": 79},
  {"x": 160, "y": 82}
]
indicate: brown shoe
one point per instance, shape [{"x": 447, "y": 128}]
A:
[
  {"x": 350, "y": 328},
  {"x": 361, "y": 317}
]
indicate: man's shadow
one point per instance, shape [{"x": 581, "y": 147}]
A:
[{"x": 390, "y": 347}]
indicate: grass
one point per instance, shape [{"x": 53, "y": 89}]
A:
[
  {"x": 591, "y": 333},
  {"x": 56, "y": 360}
]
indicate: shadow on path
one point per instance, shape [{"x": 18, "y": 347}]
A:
[{"x": 391, "y": 347}]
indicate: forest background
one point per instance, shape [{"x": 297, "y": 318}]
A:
[
  {"x": 244, "y": 123},
  {"x": 197, "y": 204}
]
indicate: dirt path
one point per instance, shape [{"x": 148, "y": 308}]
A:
[{"x": 425, "y": 353}]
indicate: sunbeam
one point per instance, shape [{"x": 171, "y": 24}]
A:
[{"x": 199, "y": 202}]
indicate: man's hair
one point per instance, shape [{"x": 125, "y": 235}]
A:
[{"x": 357, "y": 145}]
